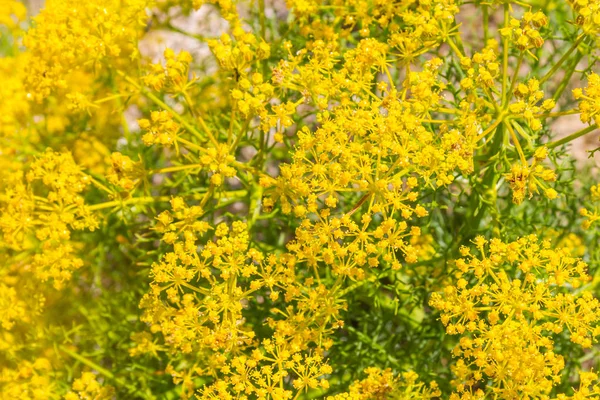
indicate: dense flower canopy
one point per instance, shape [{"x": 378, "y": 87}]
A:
[{"x": 322, "y": 199}]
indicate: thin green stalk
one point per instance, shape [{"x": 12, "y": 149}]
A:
[
  {"x": 132, "y": 201},
  {"x": 514, "y": 78},
  {"x": 263, "y": 33},
  {"x": 99, "y": 184},
  {"x": 98, "y": 368},
  {"x": 454, "y": 48},
  {"x": 564, "y": 83},
  {"x": 486, "y": 23},
  {"x": 190, "y": 104},
  {"x": 490, "y": 128},
  {"x": 516, "y": 143},
  {"x": 562, "y": 59},
  {"x": 191, "y": 145},
  {"x": 572, "y": 136},
  {"x": 557, "y": 114},
  {"x": 505, "y": 56},
  {"x": 174, "y": 168},
  {"x": 261, "y": 19},
  {"x": 182, "y": 32},
  {"x": 121, "y": 107},
  {"x": 159, "y": 199},
  {"x": 189, "y": 127}
]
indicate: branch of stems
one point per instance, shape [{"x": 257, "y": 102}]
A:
[
  {"x": 490, "y": 128},
  {"x": 179, "y": 118}
]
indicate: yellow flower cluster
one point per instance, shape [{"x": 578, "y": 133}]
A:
[
  {"x": 47, "y": 205},
  {"x": 378, "y": 148},
  {"x": 262, "y": 375},
  {"x": 525, "y": 32},
  {"x": 197, "y": 302},
  {"x": 125, "y": 173},
  {"x": 12, "y": 12},
  {"x": 218, "y": 160},
  {"x": 382, "y": 384},
  {"x": 12, "y": 308},
  {"x": 238, "y": 51},
  {"x": 252, "y": 95},
  {"x": 507, "y": 304},
  {"x": 173, "y": 76},
  {"x": 588, "y": 15},
  {"x": 528, "y": 96},
  {"x": 65, "y": 40},
  {"x": 527, "y": 180},
  {"x": 87, "y": 387},
  {"x": 285, "y": 209},
  {"x": 588, "y": 388},
  {"x": 236, "y": 54},
  {"x": 29, "y": 380},
  {"x": 210, "y": 316},
  {"x": 160, "y": 129},
  {"x": 589, "y": 100},
  {"x": 482, "y": 69},
  {"x": 13, "y": 96},
  {"x": 421, "y": 24},
  {"x": 592, "y": 212}
]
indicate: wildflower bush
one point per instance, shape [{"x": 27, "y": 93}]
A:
[{"x": 338, "y": 199}]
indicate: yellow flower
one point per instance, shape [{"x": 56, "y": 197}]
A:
[
  {"x": 507, "y": 303},
  {"x": 589, "y": 100},
  {"x": 69, "y": 35},
  {"x": 160, "y": 129}
]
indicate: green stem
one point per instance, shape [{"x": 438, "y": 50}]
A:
[
  {"x": 516, "y": 143},
  {"x": 96, "y": 367},
  {"x": 572, "y": 136},
  {"x": 505, "y": 57},
  {"x": 490, "y": 128},
  {"x": 567, "y": 78},
  {"x": 261, "y": 19},
  {"x": 120, "y": 105},
  {"x": 514, "y": 79},
  {"x": 557, "y": 114},
  {"x": 254, "y": 208},
  {"x": 455, "y": 48},
  {"x": 562, "y": 59},
  {"x": 263, "y": 33},
  {"x": 191, "y": 145},
  {"x": 486, "y": 23},
  {"x": 174, "y": 168},
  {"x": 159, "y": 199},
  {"x": 189, "y": 127},
  {"x": 188, "y": 100},
  {"x": 99, "y": 184},
  {"x": 183, "y": 32},
  {"x": 128, "y": 202}
]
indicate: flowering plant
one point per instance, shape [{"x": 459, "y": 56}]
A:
[{"x": 337, "y": 199}]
